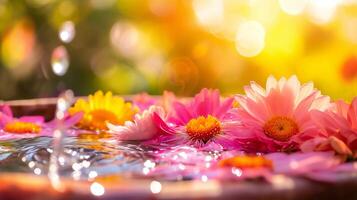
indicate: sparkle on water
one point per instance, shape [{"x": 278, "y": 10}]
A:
[{"x": 87, "y": 160}]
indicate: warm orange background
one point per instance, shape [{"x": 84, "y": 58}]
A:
[{"x": 181, "y": 45}]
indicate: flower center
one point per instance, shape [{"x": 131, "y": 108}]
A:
[
  {"x": 280, "y": 128},
  {"x": 203, "y": 128},
  {"x": 246, "y": 161},
  {"x": 22, "y": 127},
  {"x": 98, "y": 118}
]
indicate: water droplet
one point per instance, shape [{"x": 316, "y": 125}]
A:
[
  {"x": 37, "y": 171},
  {"x": 67, "y": 32},
  {"x": 60, "y": 61},
  {"x": 146, "y": 171},
  {"x": 204, "y": 178},
  {"x": 237, "y": 172},
  {"x": 97, "y": 189},
  {"x": 31, "y": 164},
  {"x": 155, "y": 187},
  {"x": 92, "y": 174},
  {"x": 149, "y": 164}
]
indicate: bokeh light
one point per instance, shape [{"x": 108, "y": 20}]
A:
[
  {"x": 293, "y": 7},
  {"x": 67, "y": 32},
  {"x": 156, "y": 45},
  {"x": 60, "y": 61},
  {"x": 209, "y": 12},
  {"x": 125, "y": 38},
  {"x": 250, "y": 38}
]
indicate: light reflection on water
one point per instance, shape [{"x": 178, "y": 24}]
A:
[
  {"x": 89, "y": 159},
  {"x": 82, "y": 157}
]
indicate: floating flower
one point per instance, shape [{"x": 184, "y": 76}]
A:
[
  {"x": 142, "y": 127},
  {"x": 246, "y": 162},
  {"x": 28, "y": 126},
  {"x": 190, "y": 163},
  {"x": 203, "y": 122},
  {"x": 278, "y": 118},
  {"x": 303, "y": 163},
  {"x": 339, "y": 129},
  {"x": 269, "y": 166},
  {"x": 101, "y": 109}
]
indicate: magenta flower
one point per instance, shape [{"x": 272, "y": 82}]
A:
[
  {"x": 278, "y": 118},
  {"x": 338, "y": 127},
  {"x": 29, "y": 126},
  {"x": 203, "y": 122},
  {"x": 183, "y": 162},
  {"x": 320, "y": 166}
]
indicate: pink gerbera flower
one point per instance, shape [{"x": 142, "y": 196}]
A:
[
  {"x": 339, "y": 129},
  {"x": 203, "y": 122},
  {"x": 28, "y": 126},
  {"x": 142, "y": 127},
  {"x": 189, "y": 163},
  {"x": 278, "y": 118}
]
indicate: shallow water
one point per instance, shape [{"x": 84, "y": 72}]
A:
[
  {"x": 80, "y": 157},
  {"x": 85, "y": 159}
]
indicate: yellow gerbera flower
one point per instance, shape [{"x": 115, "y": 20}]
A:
[{"x": 101, "y": 108}]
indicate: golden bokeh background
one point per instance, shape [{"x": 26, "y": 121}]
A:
[{"x": 130, "y": 46}]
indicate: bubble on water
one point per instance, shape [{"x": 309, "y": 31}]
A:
[
  {"x": 67, "y": 32},
  {"x": 60, "y": 61}
]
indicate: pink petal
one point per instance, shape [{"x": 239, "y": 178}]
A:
[
  {"x": 352, "y": 114},
  {"x": 223, "y": 108},
  {"x": 32, "y": 119},
  {"x": 6, "y": 109}
]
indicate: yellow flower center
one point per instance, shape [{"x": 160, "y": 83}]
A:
[
  {"x": 22, "y": 127},
  {"x": 203, "y": 128},
  {"x": 235, "y": 104},
  {"x": 246, "y": 161},
  {"x": 280, "y": 128},
  {"x": 98, "y": 119}
]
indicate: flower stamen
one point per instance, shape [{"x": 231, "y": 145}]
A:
[
  {"x": 203, "y": 128},
  {"x": 18, "y": 127},
  {"x": 246, "y": 162},
  {"x": 280, "y": 128}
]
